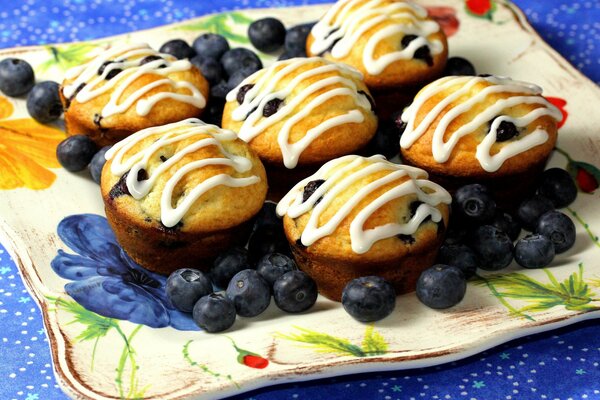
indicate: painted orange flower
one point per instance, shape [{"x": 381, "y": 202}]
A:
[{"x": 27, "y": 150}]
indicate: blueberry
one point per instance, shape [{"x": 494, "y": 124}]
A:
[
  {"x": 506, "y": 130},
  {"x": 441, "y": 286},
  {"x": 272, "y": 266},
  {"x": 532, "y": 209},
  {"x": 265, "y": 240},
  {"x": 295, "y": 292},
  {"x": 460, "y": 256},
  {"x": 386, "y": 141},
  {"x": 310, "y": 188},
  {"x": 16, "y": 77},
  {"x": 272, "y": 107},
  {"x": 113, "y": 71},
  {"x": 559, "y": 228},
  {"x": 239, "y": 76},
  {"x": 267, "y": 34},
  {"x": 456, "y": 233},
  {"x": 241, "y": 95},
  {"x": 97, "y": 164},
  {"x": 185, "y": 287},
  {"x": 211, "y": 69},
  {"x": 295, "y": 38},
  {"x": 423, "y": 53},
  {"x": 369, "y": 298},
  {"x": 557, "y": 185},
  {"x": 150, "y": 58},
  {"x": 458, "y": 66},
  {"x": 534, "y": 251},
  {"x": 267, "y": 216},
  {"x": 289, "y": 54},
  {"x": 211, "y": 45},
  {"x": 178, "y": 48},
  {"x": 249, "y": 292},
  {"x": 220, "y": 90},
  {"x": 239, "y": 58},
  {"x": 475, "y": 203},
  {"x": 493, "y": 248},
  {"x": 213, "y": 113},
  {"x": 75, "y": 152},
  {"x": 507, "y": 224},
  {"x": 43, "y": 102},
  {"x": 214, "y": 313},
  {"x": 228, "y": 264}
]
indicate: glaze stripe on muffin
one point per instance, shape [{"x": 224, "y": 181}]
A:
[
  {"x": 337, "y": 176},
  {"x": 461, "y": 101},
  {"x": 348, "y": 20},
  {"x": 263, "y": 94},
  {"x": 117, "y": 68},
  {"x": 136, "y": 163}
]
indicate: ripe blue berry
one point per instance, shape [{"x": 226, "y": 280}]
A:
[
  {"x": 43, "y": 102},
  {"x": 16, "y": 77},
  {"x": 220, "y": 90},
  {"x": 210, "y": 68},
  {"x": 559, "y": 228},
  {"x": 227, "y": 265},
  {"x": 441, "y": 286},
  {"x": 534, "y": 251},
  {"x": 249, "y": 292},
  {"x": 178, "y": 48},
  {"x": 507, "y": 224},
  {"x": 493, "y": 248},
  {"x": 213, "y": 113},
  {"x": 267, "y": 216},
  {"x": 75, "y": 152},
  {"x": 289, "y": 54},
  {"x": 369, "y": 298},
  {"x": 185, "y": 287},
  {"x": 474, "y": 203},
  {"x": 295, "y": 292},
  {"x": 97, "y": 164},
  {"x": 267, "y": 34},
  {"x": 386, "y": 141},
  {"x": 295, "y": 39},
  {"x": 239, "y": 58},
  {"x": 214, "y": 313},
  {"x": 238, "y": 76},
  {"x": 272, "y": 266},
  {"x": 211, "y": 45},
  {"x": 532, "y": 209},
  {"x": 459, "y": 66},
  {"x": 558, "y": 186},
  {"x": 459, "y": 256},
  {"x": 265, "y": 240}
]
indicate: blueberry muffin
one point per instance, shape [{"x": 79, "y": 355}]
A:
[
  {"x": 484, "y": 129},
  {"x": 128, "y": 88},
  {"x": 299, "y": 113},
  {"x": 362, "y": 216},
  {"x": 177, "y": 195}
]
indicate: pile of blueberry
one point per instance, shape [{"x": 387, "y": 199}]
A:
[{"x": 482, "y": 236}]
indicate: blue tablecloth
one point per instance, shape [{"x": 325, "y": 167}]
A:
[{"x": 562, "y": 364}]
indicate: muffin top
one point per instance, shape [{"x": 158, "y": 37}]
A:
[
  {"x": 388, "y": 38},
  {"x": 364, "y": 205},
  {"x": 187, "y": 174},
  {"x": 307, "y": 110},
  {"x": 478, "y": 123},
  {"x": 121, "y": 87}
]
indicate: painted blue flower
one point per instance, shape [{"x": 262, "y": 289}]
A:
[{"x": 107, "y": 281}]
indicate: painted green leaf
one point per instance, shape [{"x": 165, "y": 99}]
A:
[
  {"x": 373, "y": 343},
  {"x": 67, "y": 56}
]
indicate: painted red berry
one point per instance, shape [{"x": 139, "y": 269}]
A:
[
  {"x": 479, "y": 7},
  {"x": 253, "y": 361},
  {"x": 446, "y": 17},
  {"x": 586, "y": 181},
  {"x": 560, "y": 104}
]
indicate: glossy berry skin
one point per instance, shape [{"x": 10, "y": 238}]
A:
[
  {"x": 295, "y": 39},
  {"x": 441, "y": 286},
  {"x": 210, "y": 68},
  {"x": 265, "y": 240},
  {"x": 238, "y": 76},
  {"x": 559, "y": 228},
  {"x": 178, "y": 48},
  {"x": 460, "y": 256},
  {"x": 458, "y": 66},
  {"x": 532, "y": 209},
  {"x": 213, "y": 113},
  {"x": 267, "y": 34},
  {"x": 493, "y": 248},
  {"x": 295, "y": 292},
  {"x": 185, "y": 287},
  {"x": 214, "y": 313},
  {"x": 227, "y": 265},
  {"x": 474, "y": 203},
  {"x": 249, "y": 292},
  {"x": 534, "y": 251},
  {"x": 239, "y": 58},
  {"x": 75, "y": 152},
  {"x": 97, "y": 164},
  {"x": 558, "y": 186},
  {"x": 43, "y": 102},
  {"x": 507, "y": 224},
  {"x": 267, "y": 216},
  {"x": 16, "y": 77},
  {"x": 289, "y": 54},
  {"x": 219, "y": 91},
  {"x": 272, "y": 266},
  {"x": 369, "y": 298},
  {"x": 211, "y": 45}
]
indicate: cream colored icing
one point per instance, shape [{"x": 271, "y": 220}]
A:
[{"x": 338, "y": 178}]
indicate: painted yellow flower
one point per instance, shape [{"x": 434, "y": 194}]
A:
[{"x": 27, "y": 150}]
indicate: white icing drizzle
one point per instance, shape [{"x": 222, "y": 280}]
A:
[
  {"x": 264, "y": 90},
  {"x": 524, "y": 93},
  {"x": 338, "y": 177},
  {"x": 348, "y": 20},
  {"x": 127, "y": 58},
  {"x": 167, "y": 135}
]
